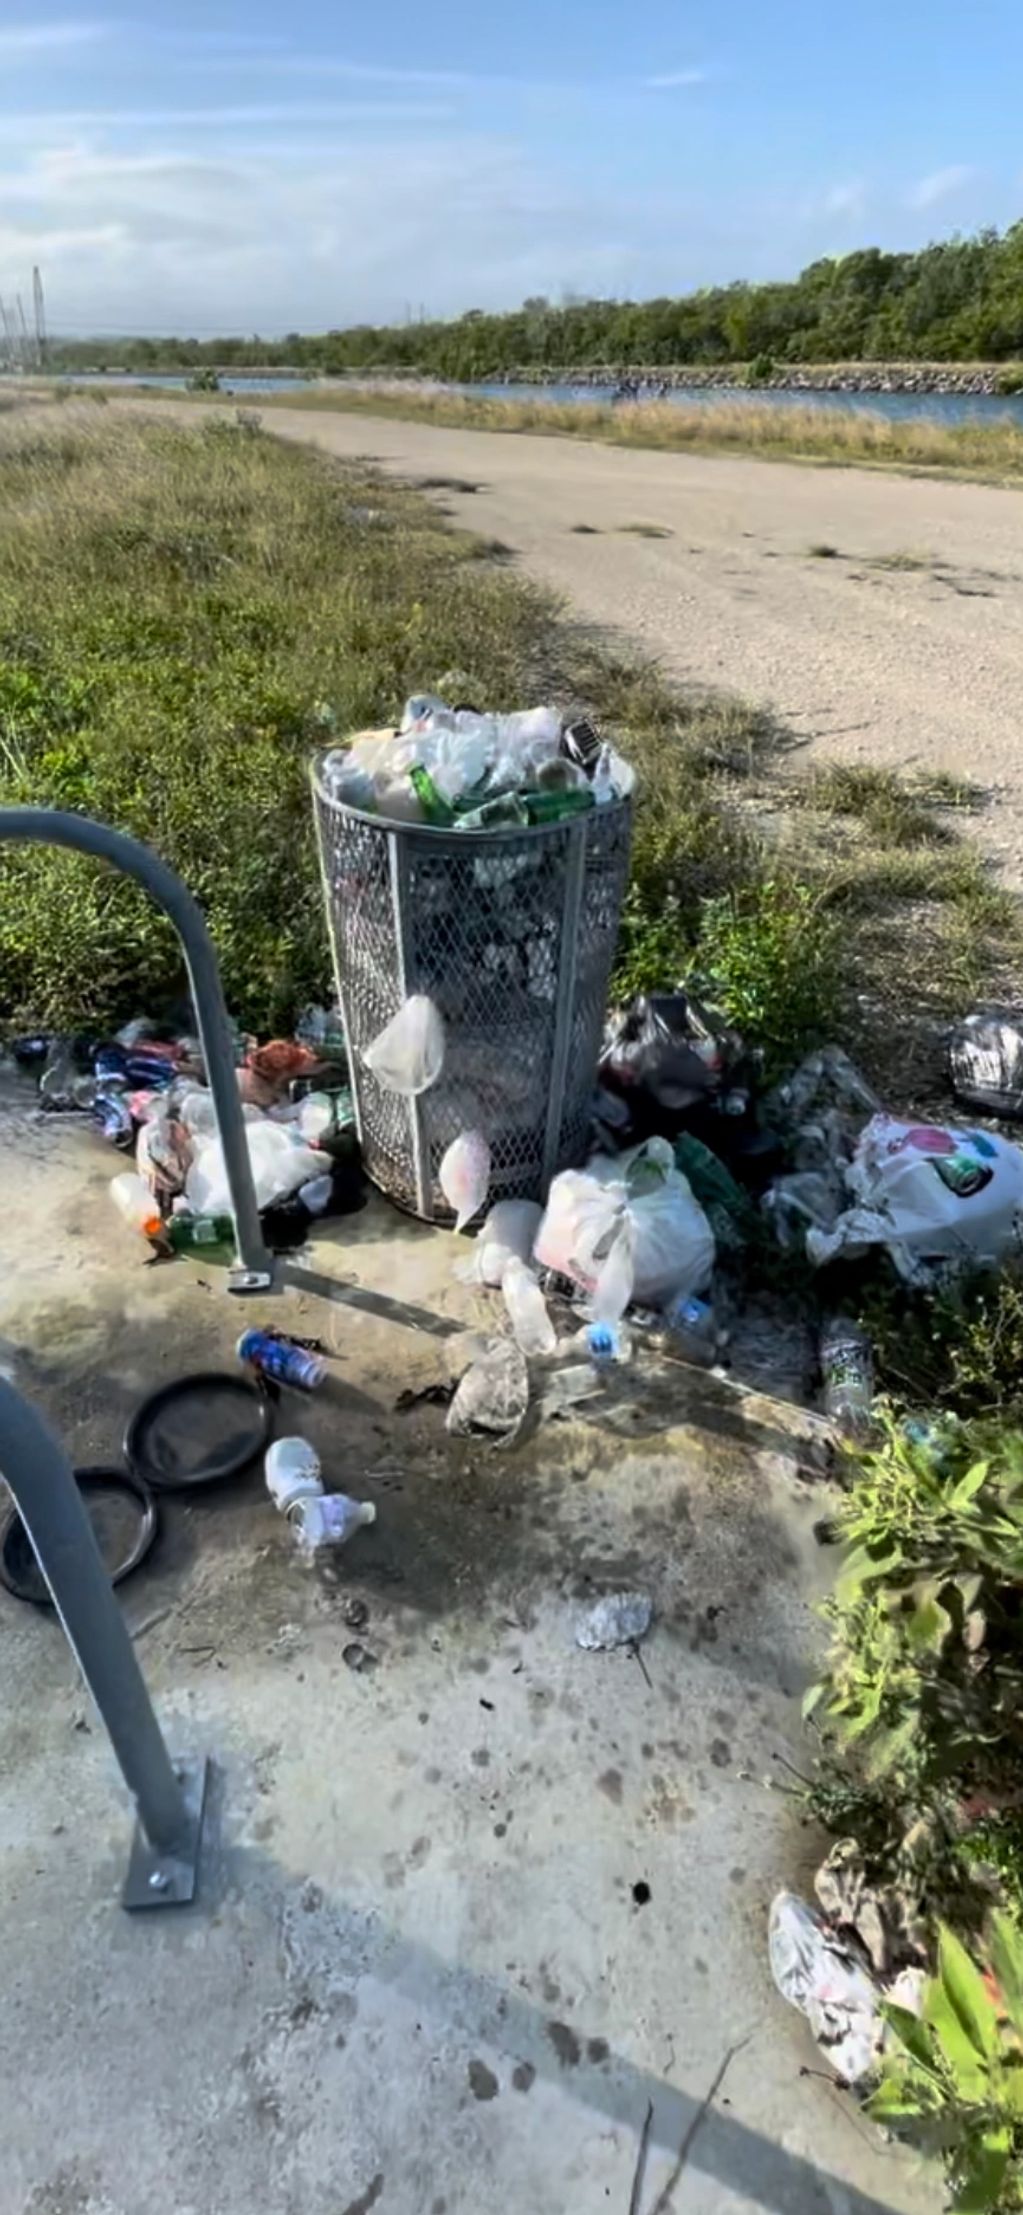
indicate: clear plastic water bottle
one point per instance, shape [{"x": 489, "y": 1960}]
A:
[
  {"x": 847, "y": 1373},
  {"x": 608, "y": 1342},
  {"x": 692, "y": 1325},
  {"x": 328, "y": 1521},
  {"x": 527, "y": 1309},
  {"x": 282, "y": 1359}
]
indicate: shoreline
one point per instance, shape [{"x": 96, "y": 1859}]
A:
[{"x": 965, "y": 380}]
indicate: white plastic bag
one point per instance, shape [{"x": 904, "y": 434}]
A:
[
  {"x": 637, "y": 1210},
  {"x": 408, "y": 1054},
  {"x": 507, "y": 1235},
  {"x": 279, "y": 1165},
  {"x": 464, "y": 1175},
  {"x": 816, "y": 1972},
  {"x": 931, "y": 1195}
]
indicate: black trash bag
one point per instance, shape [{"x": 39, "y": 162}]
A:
[
  {"x": 985, "y": 1062},
  {"x": 671, "y": 1060}
]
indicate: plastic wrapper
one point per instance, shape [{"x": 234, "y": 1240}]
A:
[
  {"x": 985, "y": 1062},
  {"x": 279, "y": 1167},
  {"x": 818, "y": 1973},
  {"x": 619, "y": 1619},
  {"x": 407, "y": 1056},
  {"x": 464, "y": 1175},
  {"x": 493, "y": 1395},
  {"x": 934, "y": 1196}
]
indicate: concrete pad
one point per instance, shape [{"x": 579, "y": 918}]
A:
[{"x": 421, "y": 1978}]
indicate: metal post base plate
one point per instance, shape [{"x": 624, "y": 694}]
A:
[{"x": 158, "y": 1879}]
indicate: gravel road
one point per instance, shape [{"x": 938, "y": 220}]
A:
[{"x": 919, "y": 666}]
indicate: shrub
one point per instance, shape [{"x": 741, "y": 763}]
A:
[{"x": 770, "y": 954}]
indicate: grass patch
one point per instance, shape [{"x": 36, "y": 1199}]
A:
[
  {"x": 184, "y": 612},
  {"x": 646, "y": 530},
  {"x": 821, "y": 551}
]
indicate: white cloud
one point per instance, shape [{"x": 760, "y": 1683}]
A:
[
  {"x": 848, "y": 199},
  {"x": 940, "y": 185},
  {"x": 297, "y": 115},
  {"x": 20, "y": 41},
  {"x": 675, "y": 78}
]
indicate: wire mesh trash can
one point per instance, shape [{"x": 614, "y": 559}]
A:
[{"x": 512, "y": 934}]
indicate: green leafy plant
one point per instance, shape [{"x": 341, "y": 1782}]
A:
[
  {"x": 953, "y": 2078},
  {"x": 925, "y": 1672},
  {"x": 770, "y": 951}
]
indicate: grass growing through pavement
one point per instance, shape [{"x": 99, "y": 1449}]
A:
[
  {"x": 814, "y": 434},
  {"x": 180, "y": 609}
]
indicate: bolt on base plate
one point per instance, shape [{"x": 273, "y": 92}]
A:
[{"x": 157, "y": 1879}]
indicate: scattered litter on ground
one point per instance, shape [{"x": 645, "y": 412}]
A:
[
  {"x": 627, "y": 1228},
  {"x": 493, "y": 1395},
  {"x": 568, "y": 1388},
  {"x": 358, "y": 1657},
  {"x": 666, "y": 1055},
  {"x": 819, "y": 1972},
  {"x": 532, "y": 1329},
  {"x": 427, "y": 1395},
  {"x": 292, "y": 1469},
  {"x": 464, "y": 1176},
  {"x": 608, "y": 1342},
  {"x": 355, "y": 1613},
  {"x": 324, "y": 1522},
  {"x": 283, "y": 1359},
  {"x": 985, "y": 1062},
  {"x": 508, "y": 1234},
  {"x": 931, "y": 1195},
  {"x": 847, "y": 1376},
  {"x": 619, "y": 1619},
  {"x": 884, "y": 1917}
]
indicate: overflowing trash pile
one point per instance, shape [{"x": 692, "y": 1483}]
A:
[
  {"x": 148, "y": 1096},
  {"x": 456, "y": 768}
]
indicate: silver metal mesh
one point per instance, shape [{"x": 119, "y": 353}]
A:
[{"x": 512, "y": 934}]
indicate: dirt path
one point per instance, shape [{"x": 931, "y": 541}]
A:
[{"x": 917, "y": 666}]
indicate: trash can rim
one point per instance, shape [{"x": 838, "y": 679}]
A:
[{"x": 512, "y": 833}]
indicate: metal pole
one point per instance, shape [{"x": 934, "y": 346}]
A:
[
  {"x": 49, "y": 826},
  {"x": 169, "y": 1801}
]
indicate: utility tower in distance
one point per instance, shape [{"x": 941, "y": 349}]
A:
[{"x": 40, "y": 313}]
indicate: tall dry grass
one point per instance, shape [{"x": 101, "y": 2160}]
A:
[{"x": 832, "y": 436}]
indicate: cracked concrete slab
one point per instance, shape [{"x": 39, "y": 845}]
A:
[{"x": 465, "y": 1913}]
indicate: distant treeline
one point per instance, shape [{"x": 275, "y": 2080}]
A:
[{"x": 958, "y": 301}]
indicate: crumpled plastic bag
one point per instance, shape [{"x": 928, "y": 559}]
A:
[
  {"x": 493, "y": 1395},
  {"x": 985, "y": 1061},
  {"x": 407, "y": 1056},
  {"x": 816, "y": 1972},
  {"x": 507, "y": 1235},
  {"x": 279, "y": 1165},
  {"x": 665, "y": 1054},
  {"x": 627, "y": 1229},
  {"x": 464, "y": 1175},
  {"x": 932, "y": 1195}
]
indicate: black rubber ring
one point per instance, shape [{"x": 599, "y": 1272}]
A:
[
  {"x": 157, "y": 1479},
  {"x": 37, "y": 1593}
]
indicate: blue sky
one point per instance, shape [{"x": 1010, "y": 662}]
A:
[{"x": 274, "y": 168}]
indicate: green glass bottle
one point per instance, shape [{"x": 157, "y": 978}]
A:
[{"x": 435, "y": 808}]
